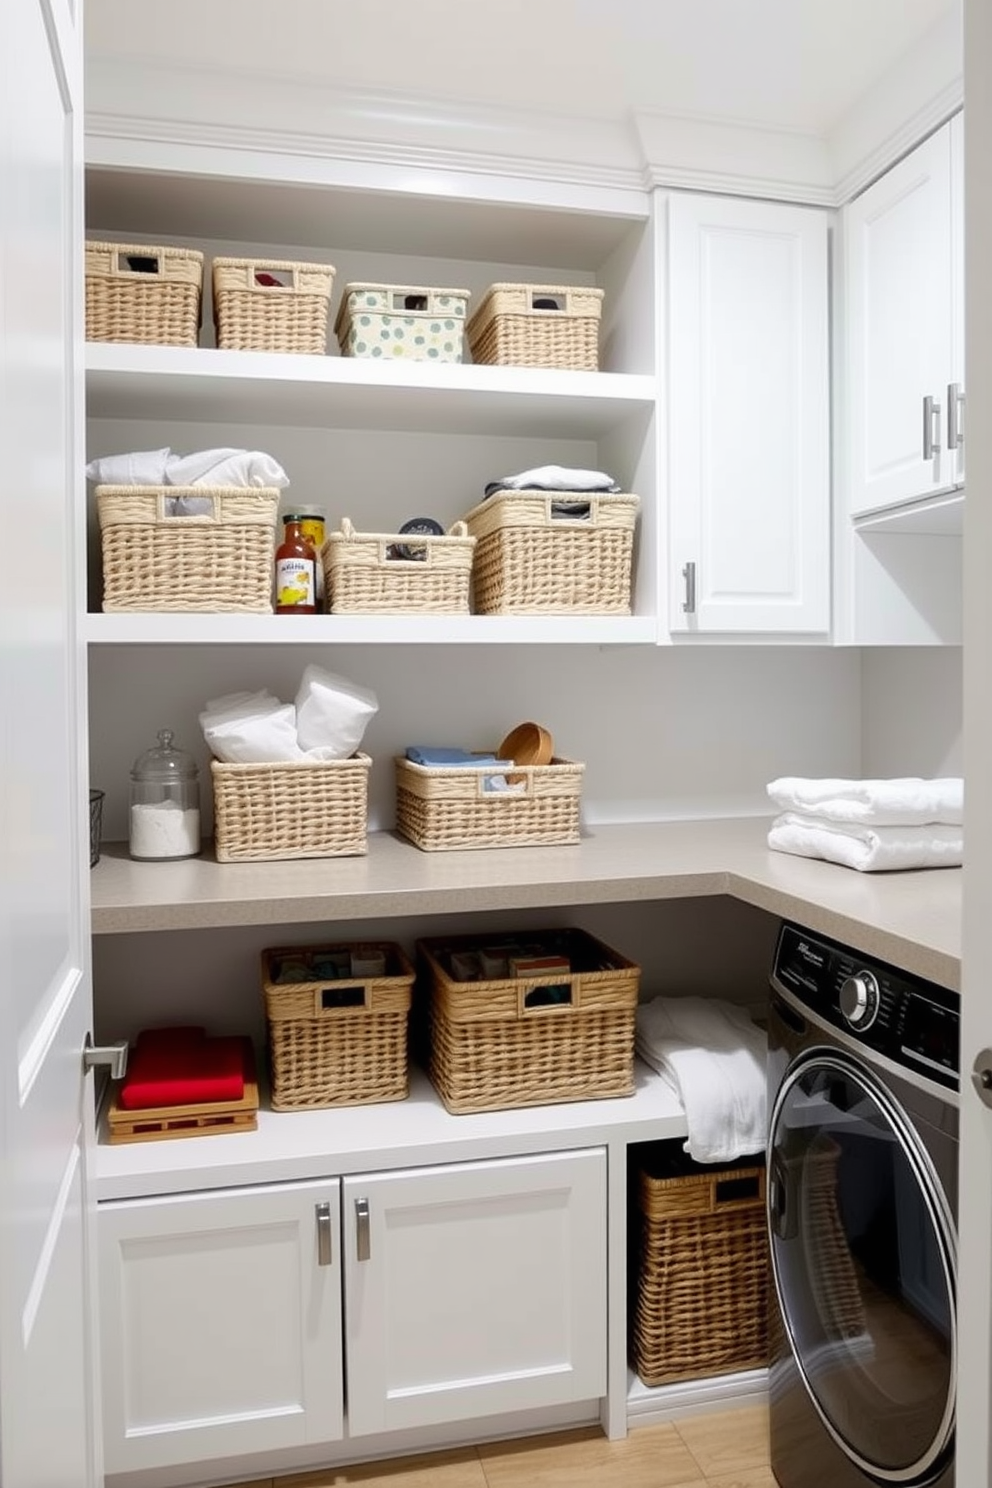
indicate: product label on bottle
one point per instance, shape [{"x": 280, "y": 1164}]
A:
[{"x": 295, "y": 582}]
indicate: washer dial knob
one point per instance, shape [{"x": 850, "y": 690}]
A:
[{"x": 859, "y": 999}]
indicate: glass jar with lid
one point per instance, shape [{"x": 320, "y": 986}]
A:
[{"x": 164, "y": 819}]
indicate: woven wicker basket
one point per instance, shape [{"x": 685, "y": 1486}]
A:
[
  {"x": 401, "y": 322},
  {"x": 218, "y": 559},
  {"x": 298, "y": 810},
  {"x": 341, "y": 1042},
  {"x": 362, "y": 578},
  {"x": 529, "y": 561},
  {"x": 445, "y": 807},
  {"x": 253, "y": 314},
  {"x": 496, "y": 1045},
  {"x": 537, "y": 325},
  {"x": 135, "y": 292},
  {"x": 701, "y": 1280}
]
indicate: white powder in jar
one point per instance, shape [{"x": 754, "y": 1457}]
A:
[{"x": 167, "y": 830}]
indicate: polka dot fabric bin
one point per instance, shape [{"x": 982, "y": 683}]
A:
[{"x": 399, "y": 322}]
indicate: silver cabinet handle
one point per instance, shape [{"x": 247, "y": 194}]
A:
[
  {"x": 114, "y": 1056},
  {"x": 955, "y": 403},
  {"x": 689, "y": 575},
  {"x": 931, "y": 412},
  {"x": 323, "y": 1213},
  {"x": 363, "y": 1229}
]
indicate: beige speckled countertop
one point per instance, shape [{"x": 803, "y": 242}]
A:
[{"x": 911, "y": 919}]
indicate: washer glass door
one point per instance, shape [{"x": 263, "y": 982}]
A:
[{"x": 863, "y": 1258}]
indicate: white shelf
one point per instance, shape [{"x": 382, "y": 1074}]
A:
[
  {"x": 296, "y": 1145},
  {"x": 345, "y": 630},
  {"x": 934, "y": 516},
  {"x": 201, "y": 384},
  {"x": 187, "y": 193}
]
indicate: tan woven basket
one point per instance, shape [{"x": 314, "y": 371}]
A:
[
  {"x": 446, "y": 807},
  {"x": 364, "y": 576},
  {"x": 251, "y": 314},
  {"x": 530, "y": 561},
  {"x": 136, "y": 292},
  {"x": 340, "y": 1042},
  {"x": 401, "y": 322},
  {"x": 534, "y": 1040},
  {"x": 297, "y": 810},
  {"x": 511, "y": 327},
  {"x": 701, "y": 1279},
  {"x": 155, "y": 558}
]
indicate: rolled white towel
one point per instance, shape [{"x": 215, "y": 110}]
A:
[
  {"x": 904, "y": 801},
  {"x": 869, "y": 849}
]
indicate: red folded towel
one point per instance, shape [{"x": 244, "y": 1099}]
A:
[{"x": 182, "y": 1067}]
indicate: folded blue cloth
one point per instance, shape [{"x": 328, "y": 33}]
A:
[{"x": 428, "y": 754}]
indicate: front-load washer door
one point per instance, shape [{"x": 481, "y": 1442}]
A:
[{"x": 864, "y": 1263}]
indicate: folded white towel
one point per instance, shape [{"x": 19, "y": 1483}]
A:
[
  {"x": 554, "y": 478},
  {"x": 214, "y": 467},
  {"x": 869, "y": 849},
  {"x": 332, "y": 714},
  {"x": 902, "y": 802},
  {"x": 713, "y": 1056}
]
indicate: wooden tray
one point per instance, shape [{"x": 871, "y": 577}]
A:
[{"x": 158, "y": 1123}]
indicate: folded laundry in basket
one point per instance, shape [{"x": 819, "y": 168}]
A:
[
  {"x": 869, "y": 849},
  {"x": 182, "y": 1067},
  {"x": 435, "y": 756},
  {"x": 213, "y": 467},
  {"x": 714, "y": 1056},
  {"x": 900, "y": 802},
  {"x": 555, "y": 478}
]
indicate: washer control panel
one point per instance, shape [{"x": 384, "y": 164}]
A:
[{"x": 912, "y": 1021}]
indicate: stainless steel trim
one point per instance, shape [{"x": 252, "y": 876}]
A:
[
  {"x": 363, "y": 1230},
  {"x": 689, "y": 575},
  {"x": 944, "y": 1229},
  {"x": 323, "y": 1214}
]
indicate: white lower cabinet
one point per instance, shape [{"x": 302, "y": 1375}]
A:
[
  {"x": 230, "y": 1318},
  {"x": 220, "y": 1327},
  {"x": 474, "y": 1289}
]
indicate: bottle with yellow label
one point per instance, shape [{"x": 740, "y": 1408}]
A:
[
  {"x": 296, "y": 573},
  {"x": 311, "y": 523}
]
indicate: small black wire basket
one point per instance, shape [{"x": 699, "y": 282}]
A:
[{"x": 96, "y": 822}]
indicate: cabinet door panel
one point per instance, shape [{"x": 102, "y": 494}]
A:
[
  {"x": 749, "y": 494},
  {"x": 484, "y": 1290},
  {"x": 222, "y": 1334},
  {"x": 900, "y": 285}
]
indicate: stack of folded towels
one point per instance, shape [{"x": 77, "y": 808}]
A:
[{"x": 871, "y": 825}]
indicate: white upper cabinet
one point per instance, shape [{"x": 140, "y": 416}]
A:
[
  {"x": 904, "y": 367},
  {"x": 748, "y": 418}
]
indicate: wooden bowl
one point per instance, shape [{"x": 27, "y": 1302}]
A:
[{"x": 528, "y": 744}]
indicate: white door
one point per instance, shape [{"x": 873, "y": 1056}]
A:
[
  {"x": 47, "y": 1374},
  {"x": 975, "y": 1217},
  {"x": 748, "y": 417},
  {"x": 474, "y": 1289},
  {"x": 221, "y": 1324},
  {"x": 900, "y": 241}
]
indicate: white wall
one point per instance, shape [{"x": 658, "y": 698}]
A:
[
  {"x": 911, "y": 703},
  {"x": 663, "y": 733}
]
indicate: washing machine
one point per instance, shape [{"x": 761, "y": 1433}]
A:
[{"x": 862, "y": 1205}]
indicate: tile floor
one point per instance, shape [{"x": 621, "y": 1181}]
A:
[{"x": 723, "y": 1449}]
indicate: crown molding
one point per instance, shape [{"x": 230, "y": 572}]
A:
[{"x": 306, "y": 132}]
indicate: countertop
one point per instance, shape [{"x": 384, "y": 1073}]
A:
[{"x": 911, "y": 919}]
